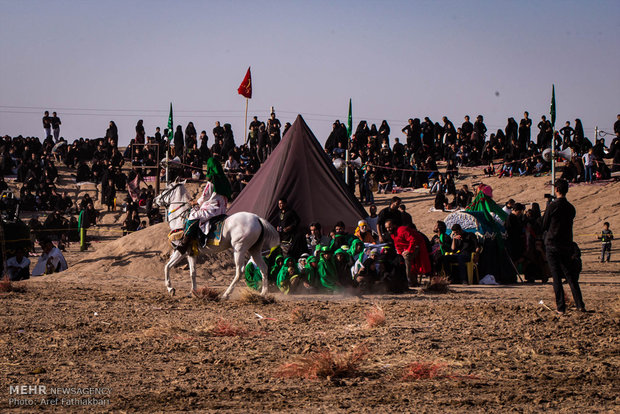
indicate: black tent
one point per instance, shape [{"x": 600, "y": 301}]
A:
[{"x": 300, "y": 171}]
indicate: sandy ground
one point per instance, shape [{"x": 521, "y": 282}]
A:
[{"x": 108, "y": 323}]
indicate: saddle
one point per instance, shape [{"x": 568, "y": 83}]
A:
[
  {"x": 215, "y": 231},
  {"x": 196, "y": 236}
]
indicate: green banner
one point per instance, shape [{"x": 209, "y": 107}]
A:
[
  {"x": 552, "y": 109},
  {"x": 350, "y": 123},
  {"x": 170, "y": 124}
]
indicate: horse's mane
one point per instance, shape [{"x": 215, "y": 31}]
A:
[{"x": 184, "y": 192}]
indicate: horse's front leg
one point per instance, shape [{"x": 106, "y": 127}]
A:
[
  {"x": 191, "y": 261},
  {"x": 239, "y": 256},
  {"x": 175, "y": 257}
]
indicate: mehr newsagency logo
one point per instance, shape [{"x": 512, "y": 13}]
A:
[{"x": 31, "y": 395}]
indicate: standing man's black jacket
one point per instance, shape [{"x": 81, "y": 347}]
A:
[{"x": 558, "y": 223}]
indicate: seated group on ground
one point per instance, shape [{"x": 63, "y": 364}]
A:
[
  {"x": 50, "y": 261},
  {"x": 385, "y": 254}
]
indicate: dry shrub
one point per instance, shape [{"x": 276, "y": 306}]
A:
[
  {"x": 438, "y": 284},
  {"x": 298, "y": 315},
  {"x": 226, "y": 328},
  {"x": 375, "y": 317},
  {"x": 430, "y": 370},
  {"x": 422, "y": 370},
  {"x": 326, "y": 364},
  {"x": 253, "y": 297},
  {"x": 206, "y": 293}
]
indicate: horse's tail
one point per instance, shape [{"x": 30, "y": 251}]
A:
[{"x": 270, "y": 237}]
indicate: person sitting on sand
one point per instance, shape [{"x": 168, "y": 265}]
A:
[
  {"x": 442, "y": 244},
  {"x": 18, "y": 266},
  {"x": 51, "y": 261},
  {"x": 287, "y": 274},
  {"x": 363, "y": 232},
  {"x": 327, "y": 270},
  {"x": 310, "y": 278},
  {"x": 342, "y": 261}
]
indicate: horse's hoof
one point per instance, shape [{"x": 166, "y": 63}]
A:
[{"x": 171, "y": 291}]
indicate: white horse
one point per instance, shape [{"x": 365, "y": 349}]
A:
[{"x": 246, "y": 233}]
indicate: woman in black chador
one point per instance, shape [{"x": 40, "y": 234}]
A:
[
  {"x": 361, "y": 134},
  {"x": 178, "y": 142},
  {"x": 512, "y": 130},
  {"x": 112, "y": 133}
]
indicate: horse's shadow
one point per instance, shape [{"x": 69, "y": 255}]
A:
[{"x": 125, "y": 259}]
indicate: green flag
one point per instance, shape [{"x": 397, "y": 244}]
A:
[
  {"x": 170, "y": 124},
  {"x": 350, "y": 124},
  {"x": 552, "y": 109}
]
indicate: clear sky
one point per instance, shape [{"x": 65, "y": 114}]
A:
[{"x": 96, "y": 61}]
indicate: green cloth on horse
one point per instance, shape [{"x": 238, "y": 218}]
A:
[{"x": 215, "y": 174}]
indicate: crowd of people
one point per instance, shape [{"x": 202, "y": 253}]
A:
[
  {"x": 385, "y": 166},
  {"x": 387, "y": 163},
  {"x": 385, "y": 253}
]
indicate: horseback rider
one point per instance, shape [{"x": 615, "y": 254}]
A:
[{"x": 212, "y": 202}]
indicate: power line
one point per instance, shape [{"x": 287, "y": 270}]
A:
[{"x": 163, "y": 111}]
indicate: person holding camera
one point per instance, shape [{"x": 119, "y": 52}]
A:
[{"x": 558, "y": 225}]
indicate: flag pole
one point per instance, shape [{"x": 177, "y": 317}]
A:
[
  {"x": 552, "y": 113},
  {"x": 346, "y": 153},
  {"x": 168, "y": 139},
  {"x": 553, "y": 161},
  {"x": 246, "y": 121},
  {"x": 167, "y": 151}
]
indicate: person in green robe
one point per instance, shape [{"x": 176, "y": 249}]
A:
[
  {"x": 342, "y": 262},
  {"x": 327, "y": 270},
  {"x": 274, "y": 270},
  {"x": 287, "y": 272},
  {"x": 253, "y": 277},
  {"x": 356, "y": 251},
  {"x": 311, "y": 277}
]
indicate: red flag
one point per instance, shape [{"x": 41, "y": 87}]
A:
[{"x": 245, "y": 88}]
